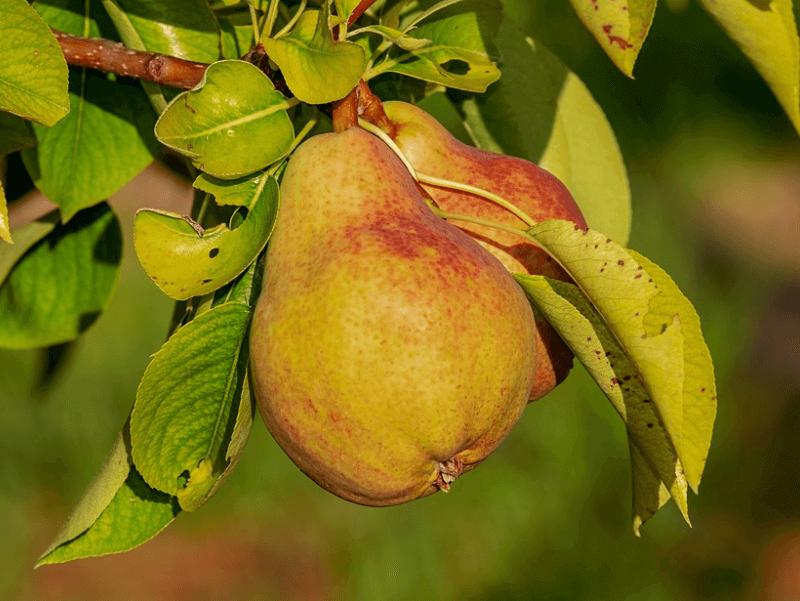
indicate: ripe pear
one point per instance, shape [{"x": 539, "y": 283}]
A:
[
  {"x": 432, "y": 150},
  {"x": 389, "y": 351}
]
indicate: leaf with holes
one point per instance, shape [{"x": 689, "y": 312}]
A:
[
  {"x": 460, "y": 53},
  {"x": 184, "y": 260},
  {"x": 620, "y": 27},
  {"x": 317, "y": 69},
  {"x": 233, "y": 124},
  {"x": 33, "y": 72},
  {"x": 186, "y": 406}
]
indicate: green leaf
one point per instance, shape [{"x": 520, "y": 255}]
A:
[
  {"x": 185, "y": 261},
  {"x": 185, "y": 410},
  {"x": 117, "y": 512},
  {"x": 25, "y": 237},
  {"x": 542, "y": 112},
  {"x": 766, "y": 33},
  {"x": 620, "y": 27},
  {"x": 5, "y": 230},
  {"x": 15, "y": 134},
  {"x": 622, "y": 293},
  {"x": 234, "y": 123},
  {"x": 460, "y": 51},
  {"x": 317, "y": 69},
  {"x": 237, "y": 35},
  {"x": 616, "y": 368},
  {"x": 33, "y": 72},
  {"x": 397, "y": 37},
  {"x": 62, "y": 283},
  {"x": 103, "y": 143},
  {"x": 183, "y": 28},
  {"x": 699, "y": 387}
]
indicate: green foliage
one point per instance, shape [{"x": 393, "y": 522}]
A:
[
  {"x": 623, "y": 317},
  {"x": 33, "y": 72},
  {"x": 233, "y": 124}
]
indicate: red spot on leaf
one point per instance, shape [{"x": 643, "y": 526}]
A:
[{"x": 615, "y": 39}]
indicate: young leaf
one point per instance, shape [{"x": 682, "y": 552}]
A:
[
  {"x": 542, "y": 112},
  {"x": 234, "y": 123},
  {"x": 14, "y": 134},
  {"x": 184, "y": 414},
  {"x": 117, "y": 512},
  {"x": 397, "y": 37},
  {"x": 699, "y": 388},
  {"x": 459, "y": 54},
  {"x": 317, "y": 69},
  {"x": 767, "y": 34},
  {"x": 62, "y": 283},
  {"x": 620, "y": 27},
  {"x": 184, "y": 262},
  {"x": 614, "y": 368},
  {"x": 33, "y": 72},
  {"x": 622, "y": 293},
  {"x": 103, "y": 143}
]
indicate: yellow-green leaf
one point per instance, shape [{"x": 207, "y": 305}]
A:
[
  {"x": 616, "y": 370},
  {"x": 317, "y": 69},
  {"x": 649, "y": 493},
  {"x": 699, "y": 388},
  {"x": 33, "y": 72},
  {"x": 620, "y": 27},
  {"x": 766, "y": 33}
]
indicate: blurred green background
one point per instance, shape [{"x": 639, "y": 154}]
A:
[{"x": 715, "y": 174}]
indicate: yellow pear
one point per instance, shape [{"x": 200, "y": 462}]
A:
[
  {"x": 432, "y": 150},
  {"x": 389, "y": 351}
]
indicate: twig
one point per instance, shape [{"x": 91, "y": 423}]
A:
[
  {"x": 359, "y": 10},
  {"x": 113, "y": 57}
]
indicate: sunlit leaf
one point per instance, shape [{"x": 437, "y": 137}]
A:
[
  {"x": 615, "y": 367},
  {"x": 766, "y": 32},
  {"x": 62, "y": 283},
  {"x": 185, "y": 261},
  {"x": 234, "y": 123},
  {"x": 186, "y": 405},
  {"x": 317, "y": 69},
  {"x": 33, "y": 72},
  {"x": 620, "y": 27},
  {"x": 5, "y": 230}
]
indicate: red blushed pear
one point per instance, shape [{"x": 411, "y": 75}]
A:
[
  {"x": 432, "y": 150},
  {"x": 389, "y": 351}
]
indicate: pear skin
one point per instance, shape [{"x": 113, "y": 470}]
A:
[
  {"x": 389, "y": 351},
  {"x": 432, "y": 150}
]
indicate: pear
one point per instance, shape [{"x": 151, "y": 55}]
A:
[
  {"x": 432, "y": 150},
  {"x": 389, "y": 351}
]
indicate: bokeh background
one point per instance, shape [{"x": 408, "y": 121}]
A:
[{"x": 715, "y": 174}]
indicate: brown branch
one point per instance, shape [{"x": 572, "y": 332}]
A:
[
  {"x": 113, "y": 57},
  {"x": 359, "y": 10}
]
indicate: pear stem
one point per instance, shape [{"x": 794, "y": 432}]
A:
[
  {"x": 374, "y": 129},
  {"x": 487, "y": 223},
  {"x": 445, "y": 183}
]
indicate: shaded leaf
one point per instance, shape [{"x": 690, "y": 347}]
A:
[
  {"x": 185, "y": 407},
  {"x": 33, "y": 72},
  {"x": 542, "y": 112},
  {"x": 103, "y": 143},
  {"x": 699, "y": 388},
  {"x": 25, "y": 237},
  {"x": 620, "y": 27},
  {"x": 767, "y": 34},
  {"x": 15, "y": 134},
  {"x": 63, "y": 282},
  {"x": 614, "y": 368},
  {"x": 649, "y": 493},
  {"x": 232, "y": 124},
  {"x": 184, "y": 262},
  {"x": 317, "y": 69}
]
